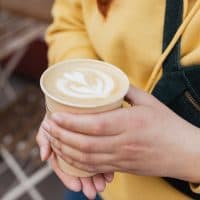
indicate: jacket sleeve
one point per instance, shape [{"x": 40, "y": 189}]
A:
[{"x": 66, "y": 36}]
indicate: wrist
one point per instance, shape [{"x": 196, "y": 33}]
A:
[{"x": 191, "y": 163}]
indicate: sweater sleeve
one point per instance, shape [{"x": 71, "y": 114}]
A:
[{"x": 66, "y": 36}]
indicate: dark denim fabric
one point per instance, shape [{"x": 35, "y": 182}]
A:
[{"x": 69, "y": 195}]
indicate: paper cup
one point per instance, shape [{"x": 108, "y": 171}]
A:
[{"x": 54, "y": 104}]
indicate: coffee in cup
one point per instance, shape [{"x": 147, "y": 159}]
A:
[{"x": 83, "y": 86}]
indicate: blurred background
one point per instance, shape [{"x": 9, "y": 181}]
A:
[{"x": 23, "y": 57}]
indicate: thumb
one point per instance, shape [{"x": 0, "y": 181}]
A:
[
  {"x": 44, "y": 145},
  {"x": 136, "y": 96}
]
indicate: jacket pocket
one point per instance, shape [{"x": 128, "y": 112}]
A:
[{"x": 188, "y": 107}]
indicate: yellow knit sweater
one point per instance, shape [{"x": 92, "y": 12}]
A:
[{"x": 129, "y": 34}]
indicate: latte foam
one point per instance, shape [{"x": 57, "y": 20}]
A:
[{"x": 84, "y": 83}]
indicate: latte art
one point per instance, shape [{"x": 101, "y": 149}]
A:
[{"x": 86, "y": 83}]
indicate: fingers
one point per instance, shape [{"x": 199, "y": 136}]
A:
[
  {"x": 43, "y": 142},
  {"x": 99, "y": 182},
  {"x": 91, "y": 168},
  {"x": 136, "y": 96},
  {"x": 96, "y": 124},
  {"x": 72, "y": 183},
  {"x": 73, "y": 163},
  {"x": 86, "y": 158},
  {"x": 83, "y": 143},
  {"x": 88, "y": 188}
]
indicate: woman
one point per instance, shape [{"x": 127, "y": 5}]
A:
[{"x": 139, "y": 36}]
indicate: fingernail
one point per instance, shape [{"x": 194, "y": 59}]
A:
[
  {"x": 46, "y": 126},
  {"x": 43, "y": 152},
  {"x": 100, "y": 187},
  {"x": 109, "y": 177}
]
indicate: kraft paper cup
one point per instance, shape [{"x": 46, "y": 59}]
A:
[{"x": 54, "y": 105}]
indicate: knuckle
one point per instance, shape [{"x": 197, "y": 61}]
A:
[
  {"x": 61, "y": 119},
  {"x": 99, "y": 127},
  {"x": 56, "y": 132}
]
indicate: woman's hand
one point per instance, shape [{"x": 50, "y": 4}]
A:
[
  {"x": 89, "y": 186},
  {"x": 146, "y": 139}
]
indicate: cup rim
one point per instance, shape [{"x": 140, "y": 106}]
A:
[{"x": 67, "y": 103}]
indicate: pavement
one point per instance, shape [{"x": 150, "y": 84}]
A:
[{"x": 22, "y": 175}]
